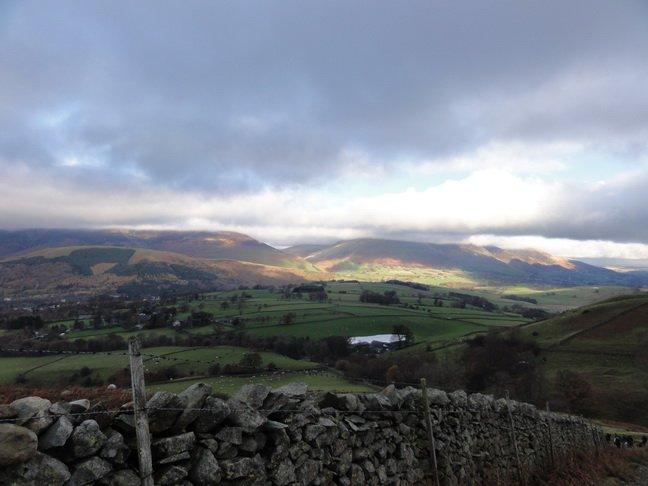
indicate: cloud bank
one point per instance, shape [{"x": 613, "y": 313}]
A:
[{"x": 317, "y": 121}]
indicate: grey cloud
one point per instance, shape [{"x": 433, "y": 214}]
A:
[{"x": 238, "y": 95}]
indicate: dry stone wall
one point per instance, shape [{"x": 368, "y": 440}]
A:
[{"x": 287, "y": 436}]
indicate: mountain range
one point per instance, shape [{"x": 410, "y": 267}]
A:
[{"x": 53, "y": 262}]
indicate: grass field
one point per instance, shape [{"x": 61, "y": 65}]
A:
[
  {"x": 51, "y": 369},
  {"x": 343, "y": 315}
]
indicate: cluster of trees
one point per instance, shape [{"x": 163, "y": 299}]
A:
[
  {"x": 491, "y": 363},
  {"x": 496, "y": 362},
  {"x": 388, "y": 298},
  {"x": 520, "y": 298},
  {"x": 413, "y": 285},
  {"x": 24, "y": 322},
  {"x": 529, "y": 313},
  {"x": 473, "y": 300}
]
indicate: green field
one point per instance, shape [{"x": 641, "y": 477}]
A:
[
  {"x": 41, "y": 371},
  {"x": 345, "y": 315},
  {"x": 342, "y": 314}
]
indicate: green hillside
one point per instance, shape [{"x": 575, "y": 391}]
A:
[{"x": 606, "y": 343}]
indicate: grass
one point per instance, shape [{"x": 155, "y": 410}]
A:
[
  {"x": 52, "y": 369},
  {"x": 344, "y": 315},
  {"x": 605, "y": 343}
]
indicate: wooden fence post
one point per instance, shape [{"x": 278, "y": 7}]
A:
[
  {"x": 141, "y": 418},
  {"x": 521, "y": 476},
  {"x": 430, "y": 432}
]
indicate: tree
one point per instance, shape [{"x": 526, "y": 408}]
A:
[
  {"x": 318, "y": 296},
  {"x": 388, "y": 298},
  {"x": 214, "y": 369},
  {"x": 392, "y": 373},
  {"x": 251, "y": 360},
  {"x": 337, "y": 346},
  {"x": 496, "y": 362},
  {"x": 404, "y": 333},
  {"x": 23, "y": 322},
  {"x": 288, "y": 318}
]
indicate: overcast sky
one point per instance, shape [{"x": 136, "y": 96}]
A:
[{"x": 513, "y": 123}]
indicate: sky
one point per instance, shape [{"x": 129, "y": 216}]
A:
[{"x": 521, "y": 124}]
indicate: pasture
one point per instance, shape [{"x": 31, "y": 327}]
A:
[
  {"x": 432, "y": 315},
  {"x": 54, "y": 369}
]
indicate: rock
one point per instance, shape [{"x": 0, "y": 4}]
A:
[
  {"x": 295, "y": 390},
  {"x": 458, "y": 398},
  {"x": 233, "y": 435},
  {"x": 79, "y": 406},
  {"x": 244, "y": 467},
  {"x": 205, "y": 470},
  {"x": 340, "y": 401},
  {"x": 227, "y": 451},
  {"x": 170, "y": 446},
  {"x": 326, "y": 422},
  {"x": 90, "y": 471},
  {"x": 7, "y": 412},
  {"x": 308, "y": 471},
  {"x": 378, "y": 401},
  {"x": 284, "y": 473},
  {"x": 356, "y": 474},
  {"x": 192, "y": 399},
  {"x": 125, "y": 423},
  {"x": 394, "y": 395},
  {"x": 183, "y": 456},
  {"x": 39, "y": 470},
  {"x": 115, "y": 449},
  {"x": 164, "y": 408},
  {"x": 437, "y": 397},
  {"x": 246, "y": 417},
  {"x": 60, "y": 408},
  {"x": 312, "y": 431},
  {"x": 34, "y": 413},
  {"x": 57, "y": 435},
  {"x": 253, "y": 395},
  {"x": 253, "y": 443},
  {"x": 170, "y": 475},
  {"x": 273, "y": 425},
  {"x": 123, "y": 477},
  {"x": 86, "y": 440},
  {"x": 214, "y": 413},
  {"x": 17, "y": 444},
  {"x": 99, "y": 413}
]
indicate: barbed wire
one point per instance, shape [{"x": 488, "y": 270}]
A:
[{"x": 130, "y": 411}]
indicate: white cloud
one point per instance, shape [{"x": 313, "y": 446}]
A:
[
  {"x": 565, "y": 247},
  {"x": 512, "y": 156}
]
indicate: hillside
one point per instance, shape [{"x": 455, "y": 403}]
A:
[
  {"x": 454, "y": 264},
  {"x": 88, "y": 270},
  {"x": 61, "y": 262},
  {"x": 605, "y": 343},
  {"x": 214, "y": 245}
]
